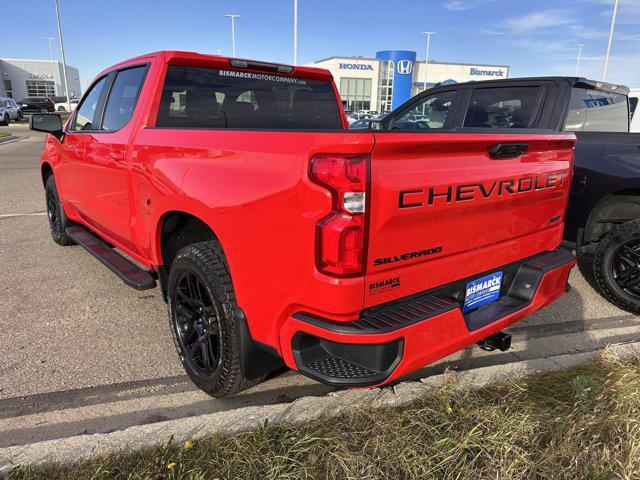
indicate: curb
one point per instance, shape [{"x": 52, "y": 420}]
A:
[{"x": 72, "y": 449}]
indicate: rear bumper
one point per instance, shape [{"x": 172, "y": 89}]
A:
[{"x": 391, "y": 340}]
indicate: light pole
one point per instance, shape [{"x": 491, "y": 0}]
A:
[
  {"x": 295, "y": 32},
  {"x": 86, "y": 79},
  {"x": 51, "y": 39},
  {"x": 580, "y": 47},
  {"x": 64, "y": 62},
  {"x": 606, "y": 58},
  {"x": 233, "y": 32},
  {"x": 426, "y": 64}
]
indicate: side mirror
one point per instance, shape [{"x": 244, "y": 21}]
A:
[
  {"x": 45, "y": 122},
  {"x": 376, "y": 125}
]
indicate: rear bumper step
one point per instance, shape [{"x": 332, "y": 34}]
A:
[
  {"x": 392, "y": 339},
  {"x": 131, "y": 274}
]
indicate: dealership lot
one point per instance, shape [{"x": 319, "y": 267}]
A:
[{"x": 81, "y": 352}]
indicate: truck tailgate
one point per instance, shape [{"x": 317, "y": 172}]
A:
[{"x": 444, "y": 208}]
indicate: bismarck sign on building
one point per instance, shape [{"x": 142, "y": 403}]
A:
[
  {"x": 40, "y": 75},
  {"x": 354, "y": 66},
  {"x": 483, "y": 72}
]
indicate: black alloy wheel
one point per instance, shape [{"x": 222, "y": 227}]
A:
[
  {"x": 58, "y": 221},
  {"x": 200, "y": 302},
  {"x": 626, "y": 268},
  {"x": 197, "y": 323},
  {"x": 616, "y": 266},
  {"x": 53, "y": 213}
]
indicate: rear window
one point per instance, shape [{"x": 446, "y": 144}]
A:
[
  {"x": 34, "y": 100},
  {"x": 197, "y": 97},
  {"x": 596, "y": 111},
  {"x": 514, "y": 107}
]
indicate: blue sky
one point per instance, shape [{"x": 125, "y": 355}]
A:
[{"x": 533, "y": 37}]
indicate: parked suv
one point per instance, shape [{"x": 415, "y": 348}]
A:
[
  {"x": 603, "y": 216},
  {"x": 37, "y": 104},
  {"x": 278, "y": 236},
  {"x": 9, "y": 110}
]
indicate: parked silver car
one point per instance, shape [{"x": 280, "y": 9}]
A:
[{"x": 9, "y": 110}]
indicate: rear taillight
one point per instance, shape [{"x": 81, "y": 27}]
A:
[
  {"x": 50, "y": 101},
  {"x": 340, "y": 239}
]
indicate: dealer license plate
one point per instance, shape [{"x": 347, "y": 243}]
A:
[{"x": 481, "y": 291}]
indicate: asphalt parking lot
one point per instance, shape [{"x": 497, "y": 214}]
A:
[{"x": 83, "y": 353}]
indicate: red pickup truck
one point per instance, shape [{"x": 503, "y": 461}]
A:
[{"x": 279, "y": 236}]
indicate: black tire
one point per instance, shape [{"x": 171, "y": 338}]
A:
[
  {"x": 20, "y": 115},
  {"x": 203, "y": 327},
  {"x": 44, "y": 110},
  {"x": 616, "y": 266},
  {"x": 56, "y": 215},
  {"x": 5, "y": 119}
]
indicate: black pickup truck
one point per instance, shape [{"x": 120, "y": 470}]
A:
[{"x": 603, "y": 216}]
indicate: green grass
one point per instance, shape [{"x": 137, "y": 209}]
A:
[
  {"x": 4, "y": 134},
  {"x": 578, "y": 424}
]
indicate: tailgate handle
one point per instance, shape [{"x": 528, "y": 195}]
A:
[{"x": 507, "y": 150}]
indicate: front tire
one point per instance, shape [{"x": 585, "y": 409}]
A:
[
  {"x": 616, "y": 266},
  {"x": 5, "y": 119},
  {"x": 201, "y": 301},
  {"x": 58, "y": 221}
]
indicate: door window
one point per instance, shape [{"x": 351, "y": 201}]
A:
[
  {"x": 513, "y": 107},
  {"x": 428, "y": 113},
  {"x": 596, "y": 111},
  {"x": 122, "y": 98},
  {"x": 87, "y": 116}
]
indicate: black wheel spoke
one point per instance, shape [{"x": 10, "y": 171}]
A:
[
  {"x": 189, "y": 334},
  {"x": 205, "y": 353},
  {"x": 630, "y": 281},
  {"x": 187, "y": 299},
  {"x": 631, "y": 253},
  {"x": 627, "y": 259},
  {"x": 194, "y": 291}
]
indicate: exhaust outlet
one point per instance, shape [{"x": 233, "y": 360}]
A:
[{"x": 498, "y": 341}]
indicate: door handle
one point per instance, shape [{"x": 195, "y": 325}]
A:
[
  {"x": 507, "y": 150},
  {"x": 117, "y": 156}
]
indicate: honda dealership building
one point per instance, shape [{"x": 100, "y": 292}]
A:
[{"x": 393, "y": 76}]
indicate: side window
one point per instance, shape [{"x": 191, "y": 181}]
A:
[
  {"x": 86, "y": 117},
  {"x": 633, "y": 103},
  {"x": 122, "y": 98},
  {"x": 596, "y": 111},
  {"x": 512, "y": 107},
  {"x": 428, "y": 113}
]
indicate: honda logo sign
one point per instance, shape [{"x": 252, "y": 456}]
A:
[{"x": 405, "y": 67}]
